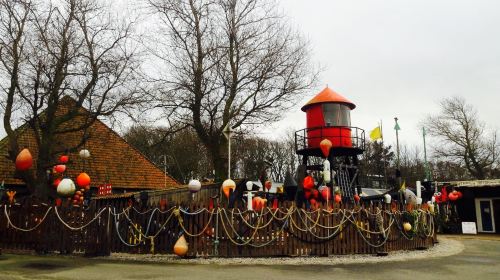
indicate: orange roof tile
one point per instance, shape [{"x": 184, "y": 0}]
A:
[
  {"x": 327, "y": 96},
  {"x": 112, "y": 159}
]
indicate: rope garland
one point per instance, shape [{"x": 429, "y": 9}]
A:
[
  {"x": 9, "y": 222},
  {"x": 82, "y": 227},
  {"x": 282, "y": 221}
]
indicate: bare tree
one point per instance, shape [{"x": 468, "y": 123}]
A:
[
  {"x": 55, "y": 51},
  {"x": 228, "y": 62},
  {"x": 460, "y": 137},
  {"x": 185, "y": 157}
]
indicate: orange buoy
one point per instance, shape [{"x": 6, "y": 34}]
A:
[
  {"x": 24, "y": 160},
  {"x": 83, "y": 180},
  {"x": 325, "y": 146},
  {"x": 181, "y": 246}
]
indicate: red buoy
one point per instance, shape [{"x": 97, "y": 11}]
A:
[{"x": 63, "y": 159}]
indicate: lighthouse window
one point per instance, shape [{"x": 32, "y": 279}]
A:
[{"x": 336, "y": 115}]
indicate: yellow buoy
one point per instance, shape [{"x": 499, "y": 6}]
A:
[{"x": 407, "y": 226}]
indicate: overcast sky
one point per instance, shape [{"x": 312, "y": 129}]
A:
[{"x": 399, "y": 58}]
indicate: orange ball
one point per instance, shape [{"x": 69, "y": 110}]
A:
[
  {"x": 83, "y": 180},
  {"x": 24, "y": 160}
]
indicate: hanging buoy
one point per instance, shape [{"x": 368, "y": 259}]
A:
[
  {"x": 66, "y": 188},
  {"x": 84, "y": 153},
  {"x": 325, "y": 193},
  {"x": 181, "y": 246},
  {"x": 275, "y": 204},
  {"x": 325, "y": 146},
  {"x": 63, "y": 159},
  {"x": 24, "y": 160},
  {"x": 56, "y": 182},
  {"x": 314, "y": 193},
  {"x": 407, "y": 226},
  {"x": 357, "y": 198},
  {"x": 249, "y": 185},
  {"x": 268, "y": 185},
  {"x": 60, "y": 168},
  {"x": 227, "y": 186},
  {"x": 194, "y": 186},
  {"x": 308, "y": 183},
  {"x": 314, "y": 204},
  {"x": 327, "y": 176},
  {"x": 83, "y": 180},
  {"x": 453, "y": 196},
  {"x": 338, "y": 198}
]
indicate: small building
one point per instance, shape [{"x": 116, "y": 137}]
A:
[
  {"x": 480, "y": 203},
  {"x": 112, "y": 162}
]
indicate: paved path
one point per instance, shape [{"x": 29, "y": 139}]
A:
[{"x": 479, "y": 260}]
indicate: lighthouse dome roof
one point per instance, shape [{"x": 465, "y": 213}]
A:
[{"x": 327, "y": 95}]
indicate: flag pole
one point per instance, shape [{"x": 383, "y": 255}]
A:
[
  {"x": 398, "y": 159},
  {"x": 396, "y": 127},
  {"x": 382, "y": 153}
]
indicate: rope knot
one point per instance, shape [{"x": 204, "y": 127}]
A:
[{"x": 177, "y": 213}]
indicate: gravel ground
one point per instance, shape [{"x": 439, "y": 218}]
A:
[{"x": 445, "y": 247}]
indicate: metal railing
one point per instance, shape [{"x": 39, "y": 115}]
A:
[{"x": 356, "y": 137}]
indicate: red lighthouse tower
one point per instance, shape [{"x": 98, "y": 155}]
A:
[{"x": 329, "y": 117}]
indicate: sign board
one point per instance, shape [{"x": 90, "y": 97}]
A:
[{"x": 469, "y": 228}]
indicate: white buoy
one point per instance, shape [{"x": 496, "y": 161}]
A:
[
  {"x": 327, "y": 178},
  {"x": 84, "y": 153},
  {"x": 194, "y": 186},
  {"x": 66, "y": 187}
]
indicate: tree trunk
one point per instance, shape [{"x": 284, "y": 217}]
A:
[
  {"x": 218, "y": 156},
  {"x": 41, "y": 188}
]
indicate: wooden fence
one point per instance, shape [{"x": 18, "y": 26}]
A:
[{"x": 117, "y": 226}]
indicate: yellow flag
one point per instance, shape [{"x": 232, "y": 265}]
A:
[
  {"x": 376, "y": 133},
  {"x": 403, "y": 186}
]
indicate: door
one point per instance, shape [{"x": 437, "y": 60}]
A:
[
  {"x": 485, "y": 216},
  {"x": 496, "y": 214}
]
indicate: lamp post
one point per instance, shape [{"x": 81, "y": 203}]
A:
[
  {"x": 426, "y": 164},
  {"x": 228, "y": 133}
]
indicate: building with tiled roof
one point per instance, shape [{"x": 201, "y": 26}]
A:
[{"x": 113, "y": 161}]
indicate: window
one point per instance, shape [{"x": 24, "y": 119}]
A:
[{"x": 336, "y": 114}]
